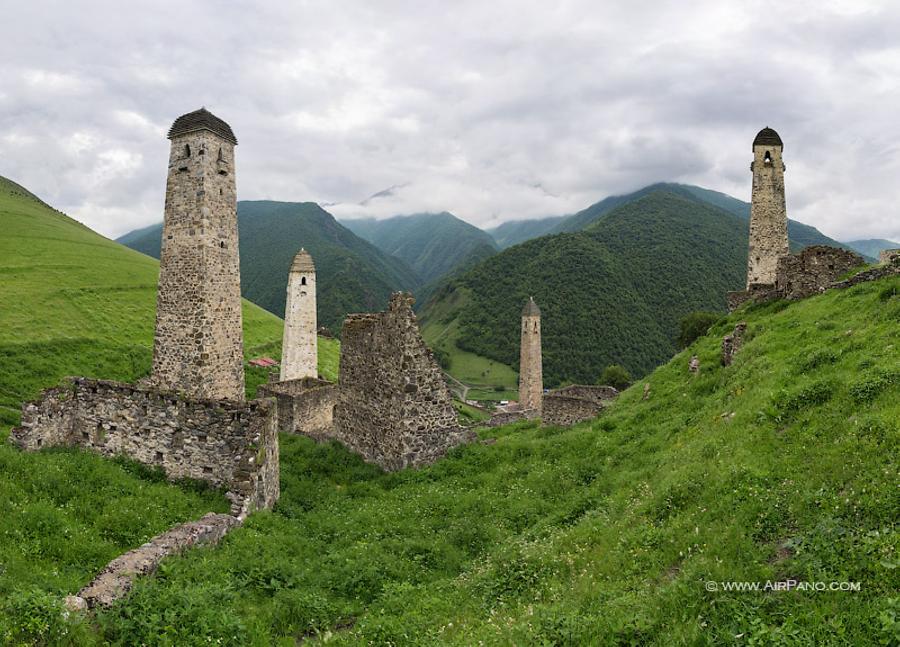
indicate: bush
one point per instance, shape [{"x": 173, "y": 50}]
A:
[
  {"x": 694, "y": 325},
  {"x": 615, "y": 376}
]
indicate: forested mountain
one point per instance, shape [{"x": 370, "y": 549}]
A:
[
  {"x": 432, "y": 244},
  {"x": 355, "y": 275},
  {"x": 872, "y": 246},
  {"x": 611, "y": 294},
  {"x": 518, "y": 231}
]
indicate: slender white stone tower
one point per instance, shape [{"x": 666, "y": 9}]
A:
[{"x": 299, "y": 348}]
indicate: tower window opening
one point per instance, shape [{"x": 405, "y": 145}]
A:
[
  {"x": 221, "y": 157},
  {"x": 187, "y": 150},
  {"x": 303, "y": 281},
  {"x": 223, "y": 172},
  {"x": 768, "y": 158},
  {"x": 222, "y": 244}
]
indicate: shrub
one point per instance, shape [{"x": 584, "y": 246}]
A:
[
  {"x": 694, "y": 325},
  {"x": 615, "y": 376}
]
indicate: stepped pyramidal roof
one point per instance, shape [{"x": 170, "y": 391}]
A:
[
  {"x": 531, "y": 309},
  {"x": 201, "y": 119},
  {"x": 767, "y": 137},
  {"x": 303, "y": 262}
]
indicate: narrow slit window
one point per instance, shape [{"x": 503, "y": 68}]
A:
[{"x": 187, "y": 150}]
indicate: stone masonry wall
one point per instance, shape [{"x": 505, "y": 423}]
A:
[
  {"x": 813, "y": 270},
  {"x": 305, "y": 406},
  {"x": 575, "y": 403},
  {"x": 768, "y": 215},
  {"x": 198, "y": 346},
  {"x": 887, "y": 256},
  {"x": 394, "y": 407},
  {"x": 230, "y": 445}
]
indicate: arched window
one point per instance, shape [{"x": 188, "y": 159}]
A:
[
  {"x": 303, "y": 281},
  {"x": 187, "y": 150},
  {"x": 221, "y": 157},
  {"x": 768, "y": 158}
]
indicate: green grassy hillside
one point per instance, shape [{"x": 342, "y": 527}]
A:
[
  {"x": 354, "y": 275},
  {"x": 433, "y": 244},
  {"x": 620, "y": 531},
  {"x": 612, "y": 294}
]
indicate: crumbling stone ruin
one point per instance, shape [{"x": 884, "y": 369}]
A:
[
  {"x": 732, "y": 343},
  {"x": 575, "y": 403},
  {"x": 768, "y": 214},
  {"x": 694, "y": 364},
  {"x": 813, "y": 270},
  {"x": 531, "y": 384},
  {"x": 806, "y": 273},
  {"x": 394, "y": 407},
  {"x": 198, "y": 345},
  {"x": 887, "y": 256},
  {"x": 229, "y": 444},
  {"x": 190, "y": 418},
  {"x": 299, "y": 349},
  {"x": 304, "y": 406},
  {"x": 116, "y": 580}
]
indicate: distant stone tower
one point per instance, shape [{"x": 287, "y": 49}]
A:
[
  {"x": 198, "y": 346},
  {"x": 531, "y": 381},
  {"x": 768, "y": 215},
  {"x": 299, "y": 348}
]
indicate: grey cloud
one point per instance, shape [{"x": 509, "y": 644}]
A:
[{"x": 493, "y": 111}]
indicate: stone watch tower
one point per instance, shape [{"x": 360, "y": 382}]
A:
[
  {"x": 531, "y": 381},
  {"x": 198, "y": 346},
  {"x": 299, "y": 348},
  {"x": 768, "y": 215}
]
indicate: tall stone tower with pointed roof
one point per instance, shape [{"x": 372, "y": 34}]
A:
[
  {"x": 768, "y": 214},
  {"x": 299, "y": 348},
  {"x": 198, "y": 345},
  {"x": 531, "y": 380}
]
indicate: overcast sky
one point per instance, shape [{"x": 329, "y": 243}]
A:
[{"x": 491, "y": 110}]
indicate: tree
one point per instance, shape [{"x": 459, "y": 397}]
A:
[
  {"x": 694, "y": 325},
  {"x": 615, "y": 376}
]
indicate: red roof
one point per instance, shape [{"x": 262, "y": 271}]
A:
[{"x": 263, "y": 361}]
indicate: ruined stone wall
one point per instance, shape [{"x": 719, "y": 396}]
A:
[
  {"x": 305, "y": 406},
  {"x": 393, "y": 405},
  {"x": 575, "y": 403},
  {"x": 813, "y": 270},
  {"x": 887, "y": 256},
  {"x": 198, "y": 346},
  {"x": 299, "y": 348},
  {"x": 768, "y": 215},
  {"x": 227, "y": 444}
]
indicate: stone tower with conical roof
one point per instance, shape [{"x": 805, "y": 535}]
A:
[
  {"x": 198, "y": 344},
  {"x": 299, "y": 348},
  {"x": 768, "y": 214},
  {"x": 531, "y": 381}
]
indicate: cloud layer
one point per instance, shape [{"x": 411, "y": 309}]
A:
[{"x": 494, "y": 111}]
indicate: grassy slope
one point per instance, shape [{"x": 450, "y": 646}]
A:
[
  {"x": 482, "y": 374},
  {"x": 782, "y": 466},
  {"x": 433, "y": 244},
  {"x": 354, "y": 275}
]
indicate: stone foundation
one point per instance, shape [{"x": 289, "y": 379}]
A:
[
  {"x": 576, "y": 403},
  {"x": 228, "y": 444},
  {"x": 116, "y": 580},
  {"x": 394, "y": 407},
  {"x": 304, "y": 406},
  {"x": 813, "y": 270}
]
